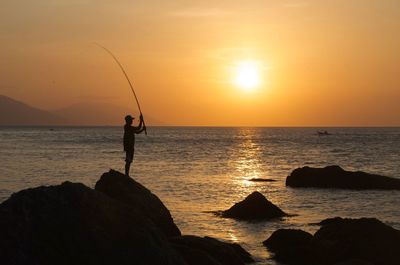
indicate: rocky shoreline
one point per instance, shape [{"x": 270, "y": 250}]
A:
[
  {"x": 122, "y": 222},
  {"x": 118, "y": 222}
]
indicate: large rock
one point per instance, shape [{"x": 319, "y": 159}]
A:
[
  {"x": 124, "y": 189},
  {"x": 366, "y": 239},
  {"x": 336, "y": 177},
  {"x": 253, "y": 207},
  {"x": 73, "y": 224},
  {"x": 121, "y": 222},
  {"x": 341, "y": 241},
  {"x": 210, "y": 251}
]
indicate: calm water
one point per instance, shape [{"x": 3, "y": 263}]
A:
[{"x": 195, "y": 170}]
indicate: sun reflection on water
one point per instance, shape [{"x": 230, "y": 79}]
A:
[
  {"x": 248, "y": 162},
  {"x": 232, "y": 237}
]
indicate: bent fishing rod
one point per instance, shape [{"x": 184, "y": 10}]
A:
[{"x": 127, "y": 78}]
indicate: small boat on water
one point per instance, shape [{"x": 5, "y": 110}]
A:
[{"x": 323, "y": 133}]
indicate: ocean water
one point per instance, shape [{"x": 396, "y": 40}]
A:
[{"x": 195, "y": 170}]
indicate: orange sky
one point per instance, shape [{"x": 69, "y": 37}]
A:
[{"x": 325, "y": 63}]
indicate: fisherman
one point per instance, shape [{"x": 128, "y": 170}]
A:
[{"x": 129, "y": 139}]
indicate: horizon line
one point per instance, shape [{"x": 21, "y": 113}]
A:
[{"x": 216, "y": 126}]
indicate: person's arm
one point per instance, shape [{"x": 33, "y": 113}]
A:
[
  {"x": 140, "y": 126},
  {"x": 141, "y": 130}
]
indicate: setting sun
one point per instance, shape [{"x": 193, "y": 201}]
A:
[{"x": 247, "y": 75}]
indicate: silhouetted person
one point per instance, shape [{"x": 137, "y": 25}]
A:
[{"x": 129, "y": 139}]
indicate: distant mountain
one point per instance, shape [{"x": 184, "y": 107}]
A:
[
  {"x": 93, "y": 113},
  {"x": 13, "y": 112}
]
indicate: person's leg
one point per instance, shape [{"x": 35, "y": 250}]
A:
[
  {"x": 128, "y": 161},
  {"x": 127, "y": 167}
]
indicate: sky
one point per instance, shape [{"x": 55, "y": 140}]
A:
[{"x": 319, "y": 63}]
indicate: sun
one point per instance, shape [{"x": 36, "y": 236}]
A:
[{"x": 247, "y": 75}]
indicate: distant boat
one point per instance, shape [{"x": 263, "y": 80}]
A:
[{"x": 323, "y": 133}]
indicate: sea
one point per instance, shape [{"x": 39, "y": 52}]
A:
[{"x": 195, "y": 170}]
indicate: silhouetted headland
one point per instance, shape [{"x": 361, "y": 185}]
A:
[
  {"x": 339, "y": 241},
  {"x": 253, "y": 207},
  {"x": 336, "y": 177},
  {"x": 118, "y": 222}
]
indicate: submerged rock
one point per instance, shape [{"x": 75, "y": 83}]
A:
[
  {"x": 340, "y": 241},
  {"x": 126, "y": 190},
  {"x": 261, "y": 180},
  {"x": 73, "y": 224},
  {"x": 209, "y": 251},
  {"x": 253, "y": 207},
  {"x": 336, "y": 177}
]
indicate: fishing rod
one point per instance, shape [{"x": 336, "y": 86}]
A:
[{"x": 127, "y": 78}]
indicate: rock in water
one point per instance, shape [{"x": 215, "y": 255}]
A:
[
  {"x": 339, "y": 241},
  {"x": 254, "y": 207},
  {"x": 336, "y": 177},
  {"x": 261, "y": 180},
  {"x": 209, "y": 251},
  {"x": 126, "y": 190},
  {"x": 366, "y": 239},
  {"x": 73, "y": 224},
  {"x": 287, "y": 238},
  {"x": 291, "y": 246}
]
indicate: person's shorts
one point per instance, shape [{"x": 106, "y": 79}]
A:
[{"x": 129, "y": 156}]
